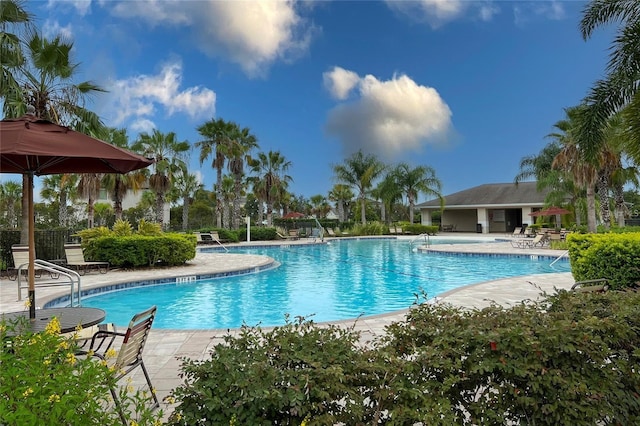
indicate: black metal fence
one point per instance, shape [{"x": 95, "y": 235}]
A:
[{"x": 49, "y": 245}]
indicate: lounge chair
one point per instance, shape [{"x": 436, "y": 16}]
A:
[
  {"x": 75, "y": 260},
  {"x": 20, "y": 254},
  {"x": 331, "y": 232},
  {"x": 129, "y": 354},
  {"x": 517, "y": 232},
  {"x": 204, "y": 238},
  {"x": 293, "y": 234},
  {"x": 538, "y": 241},
  {"x": 599, "y": 285}
]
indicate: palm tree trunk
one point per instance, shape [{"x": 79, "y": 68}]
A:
[
  {"x": 603, "y": 194},
  {"x": 236, "y": 203},
  {"x": 591, "y": 209},
  {"x": 363, "y": 211},
  {"x": 90, "y": 212},
  {"x": 620, "y": 206},
  {"x": 160, "y": 208},
  {"x": 185, "y": 213},
  {"x": 219, "y": 197}
]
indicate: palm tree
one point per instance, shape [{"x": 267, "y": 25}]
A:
[
  {"x": 271, "y": 173},
  {"x": 217, "y": 136},
  {"x": 572, "y": 160},
  {"x": 13, "y": 15},
  {"x": 360, "y": 171},
  {"x": 388, "y": 192},
  {"x": 241, "y": 144},
  {"x": 341, "y": 194},
  {"x": 186, "y": 184},
  {"x": 89, "y": 188},
  {"x": 619, "y": 89},
  {"x": 60, "y": 188},
  {"x": 319, "y": 206},
  {"x": 10, "y": 196},
  {"x": 118, "y": 185},
  {"x": 415, "y": 181},
  {"x": 168, "y": 155},
  {"x": 44, "y": 82},
  {"x": 228, "y": 195}
]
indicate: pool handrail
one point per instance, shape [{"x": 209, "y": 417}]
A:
[
  {"x": 426, "y": 239},
  {"x": 55, "y": 269}
]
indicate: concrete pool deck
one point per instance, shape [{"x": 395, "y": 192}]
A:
[{"x": 165, "y": 347}]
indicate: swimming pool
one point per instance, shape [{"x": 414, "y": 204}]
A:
[{"x": 340, "y": 280}]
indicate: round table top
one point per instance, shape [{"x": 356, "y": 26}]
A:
[{"x": 69, "y": 318}]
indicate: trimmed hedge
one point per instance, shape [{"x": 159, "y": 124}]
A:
[
  {"x": 612, "y": 256},
  {"x": 137, "y": 251}
]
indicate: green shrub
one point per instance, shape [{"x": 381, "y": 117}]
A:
[
  {"x": 612, "y": 256},
  {"x": 121, "y": 228},
  {"x": 261, "y": 234},
  {"x": 42, "y": 382},
  {"x": 136, "y": 251},
  {"x": 570, "y": 360},
  {"x": 371, "y": 228},
  {"x": 150, "y": 229},
  {"x": 417, "y": 229},
  {"x": 294, "y": 372}
]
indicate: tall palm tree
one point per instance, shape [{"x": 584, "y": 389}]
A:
[
  {"x": 217, "y": 136},
  {"x": 619, "y": 88},
  {"x": 271, "y": 169},
  {"x": 572, "y": 160},
  {"x": 185, "y": 185},
  {"x": 228, "y": 195},
  {"x": 60, "y": 188},
  {"x": 10, "y": 196},
  {"x": 415, "y": 181},
  {"x": 341, "y": 194},
  {"x": 168, "y": 154},
  {"x": 14, "y": 21},
  {"x": 89, "y": 188},
  {"x": 44, "y": 81},
  {"x": 360, "y": 171},
  {"x": 319, "y": 205},
  {"x": 241, "y": 145},
  {"x": 118, "y": 185}
]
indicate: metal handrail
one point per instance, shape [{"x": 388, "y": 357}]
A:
[
  {"x": 55, "y": 269},
  {"x": 558, "y": 258},
  {"x": 426, "y": 239},
  {"x": 320, "y": 229}
]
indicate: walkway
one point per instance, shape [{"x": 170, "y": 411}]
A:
[{"x": 165, "y": 347}]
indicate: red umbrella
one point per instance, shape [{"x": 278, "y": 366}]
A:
[
  {"x": 293, "y": 215},
  {"x": 551, "y": 211},
  {"x": 32, "y": 146}
]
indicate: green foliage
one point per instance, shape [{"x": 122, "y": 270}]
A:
[
  {"x": 137, "y": 251},
  {"x": 149, "y": 229},
  {"x": 570, "y": 360},
  {"x": 612, "y": 256},
  {"x": 91, "y": 233},
  {"x": 294, "y": 372},
  {"x": 42, "y": 382},
  {"x": 371, "y": 228},
  {"x": 122, "y": 228},
  {"x": 259, "y": 233},
  {"x": 417, "y": 229}
]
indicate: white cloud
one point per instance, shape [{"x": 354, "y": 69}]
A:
[
  {"x": 138, "y": 98},
  {"x": 252, "y": 34},
  {"x": 340, "y": 82},
  {"x": 390, "y": 118},
  {"x": 435, "y": 12},
  {"x": 52, "y": 29},
  {"x": 525, "y": 12},
  {"x": 82, "y": 7},
  {"x": 143, "y": 125}
]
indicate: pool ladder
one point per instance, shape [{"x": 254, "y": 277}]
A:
[{"x": 419, "y": 237}]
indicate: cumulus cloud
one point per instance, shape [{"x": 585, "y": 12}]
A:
[
  {"x": 251, "y": 34},
  {"x": 138, "y": 98},
  {"x": 340, "y": 82},
  {"x": 82, "y": 7},
  {"x": 389, "y": 118},
  {"x": 52, "y": 29},
  {"x": 434, "y": 12},
  {"x": 525, "y": 12}
]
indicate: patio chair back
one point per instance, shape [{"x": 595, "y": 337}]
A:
[{"x": 130, "y": 354}]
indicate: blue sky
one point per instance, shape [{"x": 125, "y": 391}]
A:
[{"x": 466, "y": 87}]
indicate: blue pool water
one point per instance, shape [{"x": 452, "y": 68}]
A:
[{"x": 341, "y": 280}]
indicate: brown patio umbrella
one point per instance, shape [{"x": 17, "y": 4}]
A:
[
  {"x": 293, "y": 215},
  {"x": 32, "y": 146},
  {"x": 551, "y": 211}
]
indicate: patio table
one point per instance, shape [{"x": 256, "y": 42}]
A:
[{"x": 69, "y": 318}]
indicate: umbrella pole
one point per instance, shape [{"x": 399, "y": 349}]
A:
[{"x": 32, "y": 250}]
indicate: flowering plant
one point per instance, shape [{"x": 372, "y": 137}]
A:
[{"x": 42, "y": 381}]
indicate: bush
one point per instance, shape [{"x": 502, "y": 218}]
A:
[
  {"x": 571, "y": 359},
  {"x": 42, "y": 382},
  {"x": 612, "y": 256},
  {"x": 293, "y": 373},
  {"x": 136, "y": 251},
  {"x": 417, "y": 229},
  {"x": 371, "y": 228}
]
